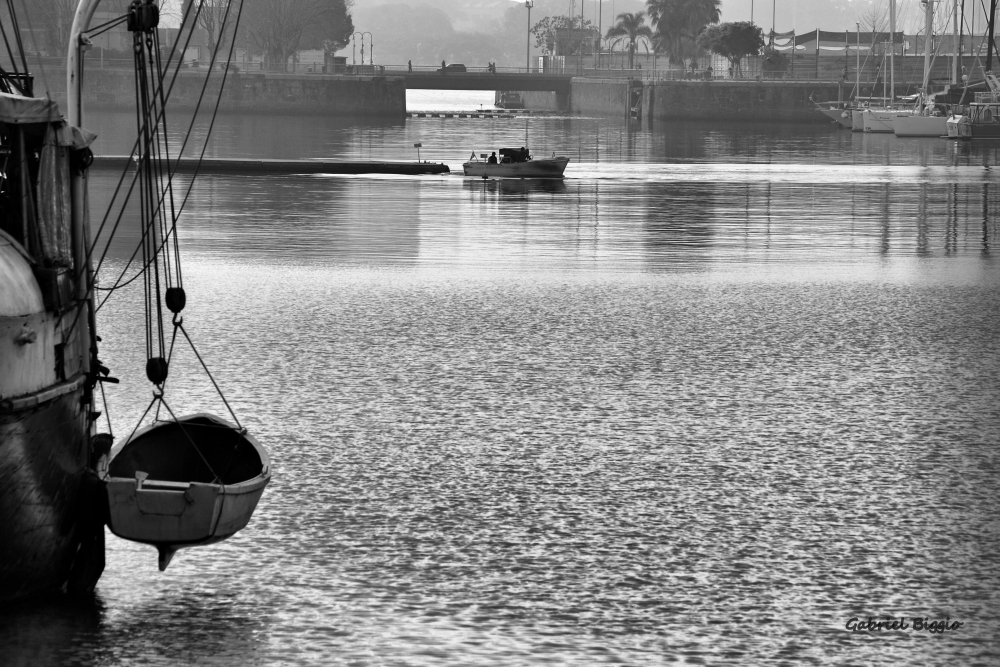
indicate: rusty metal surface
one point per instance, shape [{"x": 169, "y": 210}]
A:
[{"x": 43, "y": 455}]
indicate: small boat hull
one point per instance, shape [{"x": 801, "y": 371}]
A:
[
  {"x": 840, "y": 116},
  {"x": 920, "y": 126},
  {"x": 544, "y": 168},
  {"x": 857, "y": 120},
  {"x": 190, "y": 482}
]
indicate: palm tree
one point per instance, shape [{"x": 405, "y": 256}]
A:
[
  {"x": 678, "y": 23},
  {"x": 630, "y": 26}
]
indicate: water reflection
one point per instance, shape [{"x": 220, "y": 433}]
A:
[
  {"x": 511, "y": 186},
  {"x": 583, "y": 139},
  {"x": 731, "y": 215},
  {"x": 639, "y": 415}
]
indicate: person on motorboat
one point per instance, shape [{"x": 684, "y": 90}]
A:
[{"x": 493, "y": 158}]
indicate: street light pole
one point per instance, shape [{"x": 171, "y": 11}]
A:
[
  {"x": 527, "y": 49},
  {"x": 354, "y": 47},
  {"x": 371, "y": 48}
]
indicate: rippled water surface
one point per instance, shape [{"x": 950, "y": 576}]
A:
[{"x": 717, "y": 393}]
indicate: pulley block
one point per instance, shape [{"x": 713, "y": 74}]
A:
[
  {"x": 143, "y": 16},
  {"x": 176, "y": 299},
  {"x": 156, "y": 370}
]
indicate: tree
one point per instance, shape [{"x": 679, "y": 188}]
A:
[
  {"x": 279, "y": 28},
  {"x": 733, "y": 41},
  {"x": 631, "y": 26},
  {"x": 51, "y": 20},
  {"x": 565, "y": 35},
  {"x": 218, "y": 18},
  {"x": 678, "y": 24},
  {"x": 874, "y": 20},
  {"x": 774, "y": 64}
]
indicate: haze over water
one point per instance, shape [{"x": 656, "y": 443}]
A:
[{"x": 721, "y": 390}]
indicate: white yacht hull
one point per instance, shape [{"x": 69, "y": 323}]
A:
[
  {"x": 882, "y": 120},
  {"x": 921, "y": 126}
]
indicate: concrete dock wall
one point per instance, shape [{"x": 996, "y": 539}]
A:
[
  {"x": 747, "y": 100},
  {"x": 543, "y": 101},
  {"x": 258, "y": 92},
  {"x": 606, "y": 97},
  {"x": 736, "y": 100}
]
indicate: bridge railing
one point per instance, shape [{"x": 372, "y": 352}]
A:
[{"x": 436, "y": 69}]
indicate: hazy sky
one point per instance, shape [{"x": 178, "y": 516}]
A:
[{"x": 802, "y": 15}]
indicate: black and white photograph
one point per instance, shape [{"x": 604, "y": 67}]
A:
[{"x": 499, "y": 333}]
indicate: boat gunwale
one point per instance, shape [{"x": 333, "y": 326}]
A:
[{"x": 265, "y": 458}]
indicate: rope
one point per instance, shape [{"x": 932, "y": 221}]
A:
[
  {"x": 215, "y": 475},
  {"x": 41, "y": 64},
  {"x": 93, "y": 32},
  {"x": 16, "y": 29},
  {"x": 156, "y": 192},
  {"x": 180, "y": 325},
  {"x": 107, "y": 411},
  {"x": 6, "y": 43},
  {"x": 170, "y": 355},
  {"x": 135, "y": 145}
]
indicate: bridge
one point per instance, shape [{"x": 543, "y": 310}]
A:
[{"x": 482, "y": 79}]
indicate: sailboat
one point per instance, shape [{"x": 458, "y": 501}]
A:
[
  {"x": 981, "y": 120},
  {"x": 60, "y": 478},
  {"x": 882, "y": 119},
  {"x": 928, "y": 119}
]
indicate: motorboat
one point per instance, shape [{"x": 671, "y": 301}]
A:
[
  {"x": 515, "y": 163},
  {"x": 184, "y": 482},
  {"x": 981, "y": 120}
]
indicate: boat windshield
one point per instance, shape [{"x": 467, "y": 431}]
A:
[{"x": 514, "y": 155}]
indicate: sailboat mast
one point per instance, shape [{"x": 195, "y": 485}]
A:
[
  {"x": 990, "y": 31},
  {"x": 954, "y": 46},
  {"x": 928, "y": 42},
  {"x": 892, "y": 52}
]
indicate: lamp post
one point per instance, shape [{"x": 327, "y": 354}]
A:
[
  {"x": 371, "y": 48},
  {"x": 527, "y": 48}
]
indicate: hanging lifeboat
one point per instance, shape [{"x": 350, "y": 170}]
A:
[{"x": 187, "y": 482}]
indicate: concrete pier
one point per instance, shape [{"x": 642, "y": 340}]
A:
[
  {"x": 258, "y": 92},
  {"x": 729, "y": 100},
  {"x": 260, "y": 167}
]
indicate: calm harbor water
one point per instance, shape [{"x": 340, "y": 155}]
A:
[{"x": 717, "y": 393}]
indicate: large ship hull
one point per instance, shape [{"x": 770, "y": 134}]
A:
[{"x": 44, "y": 521}]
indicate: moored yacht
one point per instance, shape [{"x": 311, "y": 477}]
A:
[{"x": 882, "y": 120}]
